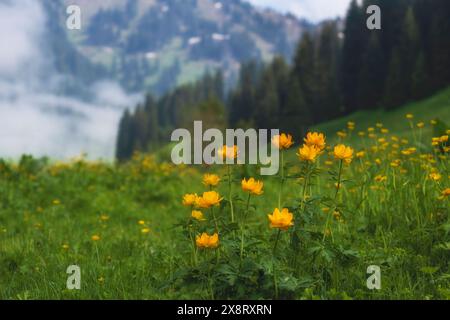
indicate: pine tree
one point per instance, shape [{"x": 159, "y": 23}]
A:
[
  {"x": 304, "y": 69},
  {"x": 352, "y": 53},
  {"x": 372, "y": 76}
]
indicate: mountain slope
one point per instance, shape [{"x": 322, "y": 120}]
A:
[{"x": 155, "y": 45}]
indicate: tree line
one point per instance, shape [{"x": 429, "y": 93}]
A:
[{"x": 340, "y": 68}]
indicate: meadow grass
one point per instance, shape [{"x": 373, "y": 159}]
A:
[{"x": 127, "y": 229}]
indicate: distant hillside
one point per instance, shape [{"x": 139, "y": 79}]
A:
[
  {"x": 156, "y": 45},
  {"x": 436, "y": 107}
]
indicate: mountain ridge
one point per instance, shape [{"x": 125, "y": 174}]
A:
[{"x": 151, "y": 45}]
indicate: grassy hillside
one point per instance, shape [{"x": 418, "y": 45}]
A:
[
  {"x": 436, "y": 107},
  {"x": 127, "y": 227}
]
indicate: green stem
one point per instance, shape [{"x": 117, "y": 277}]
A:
[
  {"x": 273, "y": 264},
  {"x": 335, "y": 197},
  {"x": 242, "y": 226},
  {"x": 282, "y": 180},
  {"x": 215, "y": 219},
  {"x": 230, "y": 193}
]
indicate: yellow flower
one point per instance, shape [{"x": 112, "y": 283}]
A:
[
  {"x": 420, "y": 125},
  {"x": 342, "y": 134},
  {"x": 189, "y": 199},
  {"x": 252, "y": 186},
  {"x": 435, "y": 176},
  {"x": 197, "y": 215},
  {"x": 56, "y": 202},
  {"x": 344, "y": 153},
  {"x": 211, "y": 180},
  {"x": 361, "y": 133},
  {"x": 206, "y": 241},
  {"x": 396, "y": 163},
  {"x": 380, "y": 178},
  {"x": 282, "y": 141},
  {"x": 145, "y": 230},
  {"x": 445, "y": 192},
  {"x": 308, "y": 153},
  {"x": 443, "y": 139},
  {"x": 228, "y": 152},
  {"x": 281, "y": 220},
  {"x": 65, "y": 246},
  {"x": 141, "y": 222},
  {"x": 409, "y": 151},
  {"x": 315, "y": 139},
  {"x": 209, "y": 199},
  {"x": 360, "y": 154},
  {"x": 384, "y": 131},
  {"x": 95, "y": 237},
  {"x": 379, "y": 125},
  {"x": 433, "y": 122},
  {"x": 104, "y": 217},
  {"x": 370, "y": 129},
  {"x": 409, "y": 116}
]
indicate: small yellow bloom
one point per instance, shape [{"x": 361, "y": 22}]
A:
[
  {"x": 252, "y": 186},
  {"x": 211, "y": 180},
  {"x": 435, "y": 176},
  {"x": 379, "y": 125},
  {"x": 361, "y": 133},
  {"x": 283, "y": 141},
  {"x": 206, "y": 241},
  {"x": 281, "y": 220},
  {"x": 344, "y": 153},
  {"x": 65, "y": 246},
  {"x": 56, "y": 202},
  {"x": 443, "y": 139},
  {"x": 433, "y": 122},
  {"x": 409, "y": 116},
  {"x": 380, "y": 178},
  {"x": 420, "y": 125},
  {"x": 360, "y": 154},
  {"x": 370, "y": 129},
  {"x": 315, "y": 139},
  {"x": 308, "y": 153},
  {"x": 189, "y": 199},
  {"x": 141, "y": 222},
  {"x": 95, "y": 237},
  {"x": 104, "y": 217},
  {"x": 384, "y": 131},
  {"x": 197, "y": 215},
  {"x": 342, "y": 134},
  {"x": 145, "y": 230},
  {"x": 446, "y": 192},
  {"x": 227, "y": 152},
  {"x": 396, "y": 163},
  {"x": 209, "y": 199}
]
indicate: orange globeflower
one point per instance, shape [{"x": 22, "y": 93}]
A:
[
  {"x": 281, "y": 219},
  {"x": 252, "y": 186},
  {"x": 228, "y": 152},
  {"x": 206, "y": 241},
  {"x": 211, "y": 180},
  {"x": 198, "y": 215},
  {"x": 282, "y": 141},
  {"x": 344, "y": 153},
  {"x": 315, "y": 139},
  {"x": 308, "y": 153},
  {"x": 209, "y": 199},
  {"x": 446, "y": 192},
  {"x": 189, "y": 199}
]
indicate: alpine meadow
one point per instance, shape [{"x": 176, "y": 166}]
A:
[{"x": 357, "y": 210}]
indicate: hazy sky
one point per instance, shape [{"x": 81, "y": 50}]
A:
[{"x": 313, "y": 10}]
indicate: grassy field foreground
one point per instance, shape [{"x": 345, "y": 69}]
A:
[{"x": 385, "y": 204}]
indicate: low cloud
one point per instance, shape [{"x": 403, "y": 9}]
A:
[
  {"x": 313, "y": 10},
  {"x": 34, "y": 119}
]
